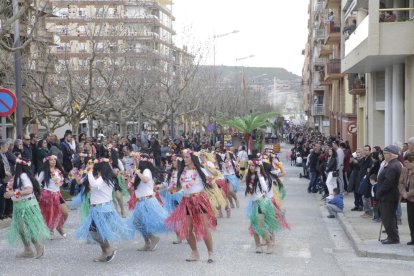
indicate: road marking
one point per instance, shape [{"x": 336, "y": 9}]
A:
[{"x": 299, "y": 251}]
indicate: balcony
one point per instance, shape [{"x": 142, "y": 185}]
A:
[
  {"x": 333, "y": 69},
  {"x": 333, "y": 32},
  {"x": 356, "y": 85},
  {"x": 318, "y": 62},
  {"x": 318, "y": 110},
  {"x": 375, "y": 45},
  {"x": 325, "y": 50},
  {"x": 332, "y": 4}
]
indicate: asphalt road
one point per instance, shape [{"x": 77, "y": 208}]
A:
[{"x": 315, "y": 245}]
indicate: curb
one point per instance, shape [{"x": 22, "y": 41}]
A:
[{"x": 357, "y": 243}]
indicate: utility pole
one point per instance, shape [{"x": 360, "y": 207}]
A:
[{"x": 17, "y": 72}]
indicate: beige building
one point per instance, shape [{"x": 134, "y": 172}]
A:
[
  {"x": 380, "y": 54},
  {"x": 330, "y": 108}
]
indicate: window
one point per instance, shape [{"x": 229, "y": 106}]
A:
[
  {"x": 81, "y": 30},
  {"x": 82, "y": 47},
  {"x": 82, "y": 12}
]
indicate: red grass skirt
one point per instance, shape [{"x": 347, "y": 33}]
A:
[
  {"x": 132, "y": 201},
  {"x": 194, "y": 206},
  {"x": 50, "y": 207},
  {"x": 222, "y": 184},
  {"x": 279, "y": 215}
]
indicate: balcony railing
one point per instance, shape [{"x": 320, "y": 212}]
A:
[
  {"x": 318, "y": 110},
  {"x": 333, "y": 69},
  {"x": 333, "y": 32},
  {"x": 356, "y": 84}
]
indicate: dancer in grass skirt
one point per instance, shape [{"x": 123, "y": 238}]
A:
[
  {"x": 148, "y": 216},
  {"x": 261, "y": 211},
  {"x": 120, "y": 189},
  {"x": 230, "y": 174},
  {"x": 215, "y": 195},
  {"x": 272, "y": 185},
  {"x": 28, "y": 225},
  {"x": 170, "y": 196},
  {"x": 54, "y": 208},
  {"x": 103, "y": 223},
  {"x": 194, "y": 216}
]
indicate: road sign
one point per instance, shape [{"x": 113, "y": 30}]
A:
[
  {"x": 8, "y": 102},
  {"x": 352, "y": 128}
]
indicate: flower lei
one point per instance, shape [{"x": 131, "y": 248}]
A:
[
  {"x": 50, "y": 157},
  {"x": 193, "y": 179},
  {"x": 85, "y": 155},
  {"x": 101, "y": 160},
  {"x": 56, "y": 178},
  {"x": 23, "y": 163}
]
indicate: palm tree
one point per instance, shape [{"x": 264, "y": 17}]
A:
[{"x": 248, "y": 124}]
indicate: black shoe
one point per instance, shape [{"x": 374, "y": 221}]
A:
[
  {"x": 331, "y": 216},
  {"x": 383, "y": 231},
  {"x": 360, "y": 209},
  {"x": 354, "y": 209},
  {"x": 410, "y": 243},
  {"x": 387, "y": 241}
]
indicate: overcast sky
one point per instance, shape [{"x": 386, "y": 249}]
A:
[{"x": 274, "y": 31}]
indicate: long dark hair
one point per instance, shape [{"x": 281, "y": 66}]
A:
[
  {"x": 18, "y": 184},
  {"x": 114, "y": 158},
  {"x": 267, "y": 168},
  {"x": 106, "y": 172},
  {"x": 256, "y": 180},
  {"x": 219, "y": 161},
  {"x": 156, "y": 174},
  {"x": 46, "y": 171},
  {"x": 232, "y": 159},
  {"x": 196, "y": 163}
]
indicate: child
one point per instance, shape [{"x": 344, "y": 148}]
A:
[
  {"x": 374, "y": 200},
  {"x": 336, "y": 204}
]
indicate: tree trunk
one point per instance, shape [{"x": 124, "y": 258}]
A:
[
  {"x": 160, "y": 129},
  {"x": 247, "y": 138},
  {"x": 123, "y": 127},
  {"x": 75, "y": 122}
]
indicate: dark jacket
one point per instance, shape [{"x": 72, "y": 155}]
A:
[
  {"x": 332, "y": 164},
  {"x": 388, "y": 179},
  {"x": 40, "y": 154},
  {"x": 12, "y": 160},
  {"x": 27, "y": 153},
  {"x": 314, "y": 162},
  {"x": 365, "y": 165},
  {"x": 67, "y": 156}
]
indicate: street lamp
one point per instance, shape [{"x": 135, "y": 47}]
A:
[
  {"x": 242, "y": 58},
  {"x": 243, "y": 80},
  {"x": 214, "y": 43}
]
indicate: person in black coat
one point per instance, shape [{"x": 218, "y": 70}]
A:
[{"x": 388, "y": 193}]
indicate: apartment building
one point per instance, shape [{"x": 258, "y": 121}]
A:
[
  {"x": 379, "y": 54},
  {"x": 35, "y": 39},
  {"x": 329, "y": 106},
  {"x": 108, "y": 26}
]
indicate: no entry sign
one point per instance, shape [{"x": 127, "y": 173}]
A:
[{"x": 8, "y": 102}]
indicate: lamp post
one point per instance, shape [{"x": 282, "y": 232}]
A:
[
  {"x": 214, "y": 43},
  {"x": 243, "y": 80}
]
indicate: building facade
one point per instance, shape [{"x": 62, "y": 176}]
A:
[
  {"x": 379, "y": 53},
  {"x": 329, "y": 106}
]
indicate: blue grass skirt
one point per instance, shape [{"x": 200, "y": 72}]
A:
[
  {"x": 232, "y": 180},
  {"x": 171, "y": 201},
  {"x": 149, "y": 216},
  {"x": 107, "y": 223}
]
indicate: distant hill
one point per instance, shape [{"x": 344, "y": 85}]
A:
[{"x": 251, "y": 72}]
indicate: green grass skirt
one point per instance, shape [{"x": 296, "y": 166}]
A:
[
  {"x": 27, "y": 222},
  {"x": 270, "y": 223}
]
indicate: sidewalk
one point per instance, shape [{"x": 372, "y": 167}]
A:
[{"x": 364, "y": 234}]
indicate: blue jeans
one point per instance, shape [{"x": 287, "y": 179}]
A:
[
  {"x": 398, "y": 213},
  {"x": 312, "y": 180}
]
